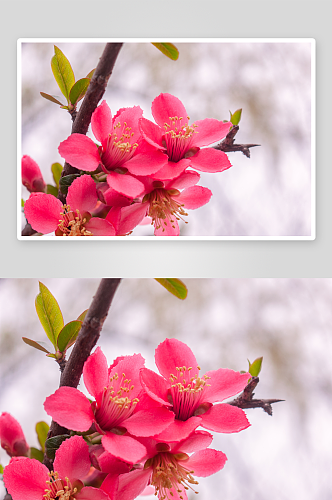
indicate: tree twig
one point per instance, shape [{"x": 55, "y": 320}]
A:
[
  {"x": 86, "y": 340},
  {"x": 245, "y": 400},
  {"x": 227, "y": 145}
]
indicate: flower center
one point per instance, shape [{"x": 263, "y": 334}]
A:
[
  {"x": 116, "y": 406},
  {"x": 72, "y": 224},
  {"x": 186, "y": 392},
  {"x": 178, "y": 138},
  {"x": 170, "y": 475},
  {"x": 164, "y": 208},
  {"x": 119, "y": 148},
  {"x": 59, "y": 489}
]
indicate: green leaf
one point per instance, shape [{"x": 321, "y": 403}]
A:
[
  {"x": 78, "y": 90},
  {"x": 82, "y": 316},
  {"x": 236, "y": 117},
  {"x": 90, "y": 75},
  {"x": 68, "y": 335},
  {"x": 52, "y": 444},
  {"x": 49, "y": 313},
  {"x": 174, "y": 286},
  {"x": 168, "y": 49},
  {"x": 66, "y": 181},
  {"x": 37, "y": 454},
  {"x": 42, "y": 429},
  {"x": 1, "y": 469},
  {"x": 62, "y": 72},
  {"x": 56, "y": 169},
  {"x": 255, "y": 367},
  {"x": 22, "y": 203},
  {"x": 51, "y": 190},
  {"x": 36, "y": 345},
  {"x": 50, "y": 98}
]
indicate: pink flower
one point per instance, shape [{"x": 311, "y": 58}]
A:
[
  {"x": 46, "y": 213},
  {"x": 168, "y": 468},
  {"x": 11, "y": 436},
  {"x": 164, "y": 203},
  {"x": 122, "y": 152},
  {"x": 28, "y": 479},
  {"x": 183, "y": 142},
  {"x": 191, "y": 396},
  {"x": 32, "y": 177},
  {"x": 121, "y": 409}
]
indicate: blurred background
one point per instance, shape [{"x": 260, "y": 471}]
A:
[
  {"x": 225, "y": 322},
  {"x": 266, "y": 195}
]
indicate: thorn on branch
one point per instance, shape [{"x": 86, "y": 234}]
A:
[
  {"x": 245, "y": 400},
  {"x": 227, "y": 145}
]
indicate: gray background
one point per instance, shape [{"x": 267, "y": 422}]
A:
[{"x": 180, "y": 19}]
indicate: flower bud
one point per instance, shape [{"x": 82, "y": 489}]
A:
[
  {"x": 32, "y": 177},
  {"x": 11, "y": 436}
]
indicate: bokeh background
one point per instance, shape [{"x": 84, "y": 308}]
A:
[
  {"x": 267, "y": 195},
  {"x": 224, "y": 321}
]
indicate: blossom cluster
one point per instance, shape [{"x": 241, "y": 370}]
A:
[
  {"x": 139, "y": 435},
  {"x": 139, "y": 172}
]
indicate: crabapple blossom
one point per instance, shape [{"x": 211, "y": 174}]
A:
[
  {"x": 12, "y": 438},
  {"x": 46, "y": 213},
  {"x": 190, "y": 396},
  {"x": 32, "y": 177}
]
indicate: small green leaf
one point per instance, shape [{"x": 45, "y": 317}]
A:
[
  {"x": 82, "y": 316},
  {"x": 49, "y": 313},
  {"x": 56, "y": 169},
  {"x": 37, "y": 454},
  {"x": 78, "y": 90},
  {"x": 90, "y": 75},
  {"x": 168, "y": 49},
  {"x": 42, "y": 429},
  {"x": 22, "y": 203},
  {"x": 50, "y": 98},
  {"x": 52, "y": 444},
  {"x": 255, "y": 367},
  {"x": 174, "y": 286},
  {"x": 62, "y": 72},
  {"x": 66, "y": 181},
  {"x": 68, "y": 335},
  {"x": 50, "y": 355},
  {"x": 1, "y": 469},
  {"x": 235, "y": 117},
  {"x": 51, "y": 190},
  {"x": 36, "y": 345}
]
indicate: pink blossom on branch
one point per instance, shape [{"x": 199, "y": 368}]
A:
[
  {"x": 190, "y": 396},
  {"x": 32, "y": 177},
  {"x": 46, "y": 213},
  {"x": 12, "y": 438},
  {"x": 28, "y": 479},
  {"x": 123, "y": 153},
  {"x": 183, "y": 142},
  {"x": 121, "y": 408}
]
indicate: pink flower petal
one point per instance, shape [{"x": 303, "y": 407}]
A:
[
  {"x": 171, "y": 170},
  {"x": 224, "y": 383},
  {"x": 206, "y": 462},
  {"x": 123, "y": 447},
  {"x": 210, "y": 131},
  {"x": 11, "y": 436},
  {"x": 149, "y": 490},
  {"x": 131, "y": 216},
  {"x": 165, "y": 106},
  {"x": 100, "y": 227},
  {"x": 130, "y": 485},
  {"x": 82, "y": 194},
  {"x": 186, "y": 179},
  {"x": 129, "y": 117},
  {"x": 146, "y": 164},
  {"x": 112, "y": 465},
  {"x": 114, "y": 199},
  {"x": 168, "y": 229},
  {"x": 173, "y": 353},
  {"x": 196, "y": 441},
  {"x": 194, "y": 197},
  {"x": 179, "y": 430},
  {"x": 125, "y": 184},
  {"x": 32, "y": 177},
  {"x": 43, "y": 212},
  {"x": 146, "y": 423},
  {"x": 210, "y": 160},
  {"x": 80, "y": 152},
  {"x": 95, "y": 374},
  {"x": 72, "y": 459},
  {"x": 70, "y": 408},
  {"x": 130, "y": 366},
  {"x": 152, "y": 133},
  {"x": 155, "y": 386},
  {"x": 102, "y": 122},
  {"x": 89, "y": 493},
  {"x": 225, "y": 418},
  {"x": 26, "y": 479}
]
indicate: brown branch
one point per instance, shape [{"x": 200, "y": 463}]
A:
[
  {"x": 245, "y": 400},
  {"x": 86, "y": 340},
  {"x": 227, "y": 145}
]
